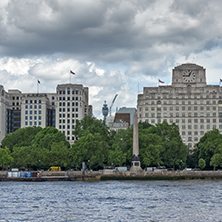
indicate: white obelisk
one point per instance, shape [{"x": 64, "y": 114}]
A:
[{"x": 135, "y": 160}]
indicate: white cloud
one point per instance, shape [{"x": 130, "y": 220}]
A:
[{"x": 110, "y": 45}]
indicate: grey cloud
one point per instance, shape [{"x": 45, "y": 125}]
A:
[{"x": 140, "y": 35}]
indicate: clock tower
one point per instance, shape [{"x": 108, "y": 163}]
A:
[{"x": 189, "y": 74}]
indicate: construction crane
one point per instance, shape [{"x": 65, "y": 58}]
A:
[{"x": 112, "y": 103}]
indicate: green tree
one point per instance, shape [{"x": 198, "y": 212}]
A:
[
  {"x": 21, "y": 137},
  {"x": 90, "y": 147},
  {"x": 216, "y": 160},
  {"x": 209, "y": 145},
  {"x": 150, "y": 148},
  {"x": 59, "y": 154},
  {"x": 88, "y": 124},
  {"x": 5, "y": 157},
  {"x": 22, "y": 156},
  {"x": 202, "y": 163},
  {"x": 117, "y": 156},
  {"x": 174, "y": 151},
  {"x": 47, "y": 137},
  {"x": 122, "y": 142}
]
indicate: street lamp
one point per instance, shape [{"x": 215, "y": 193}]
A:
[{"x": 89, "y": 164}]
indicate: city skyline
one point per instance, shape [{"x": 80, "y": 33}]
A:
[{"x": 112, "y": 47}]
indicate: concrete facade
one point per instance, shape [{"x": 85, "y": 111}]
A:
[{"x": 189, "y": 102}]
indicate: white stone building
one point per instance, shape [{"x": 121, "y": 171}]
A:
[
  {"x": 60, "y": 109},
  {"x": 189, "y": 102}
]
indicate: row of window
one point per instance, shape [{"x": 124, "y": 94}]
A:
[
  {"x": 68, "y": 121},
  {"x": 68, "y": 115},
  {"x": 68, "y": 104},
  {"x": 177, "y": 121},
  {"x": 33, "y": 117},
  {"x": 33, "y": 106},
  {"x": 33, "y": 101},
  {"x": 31, "y": 112},
  {"x": 68, "y": 98},
  {"x": 179, "y": 102},
  {"x": 182, "y": 97},
  {"x": 69, "y": 91},
  {"x": 190, "y": 139},
  {"x": 33, "y": 123},
  {"x": 64, "y": 127},
  {"x": 171, "y": 115},
  {"x": 183, "y": 108},
  {"x": 68, "y": 109}
]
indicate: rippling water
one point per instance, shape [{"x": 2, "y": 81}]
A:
[{"x": 196, "y": 200}]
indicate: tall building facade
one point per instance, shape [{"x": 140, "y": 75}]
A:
[
  {"x": 60, "y": 109},
  {"x": 189, "y": 102}
]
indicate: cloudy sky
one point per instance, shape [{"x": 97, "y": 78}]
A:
[{"x": 114, "y": 47}]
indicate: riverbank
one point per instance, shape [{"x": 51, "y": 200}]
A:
[{"x": 113, "y": 175}]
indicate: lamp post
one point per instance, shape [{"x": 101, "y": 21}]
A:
[{"x": 89, "y": 164}]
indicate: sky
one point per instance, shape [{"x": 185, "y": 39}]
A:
[{"x": 114, "y": 47}]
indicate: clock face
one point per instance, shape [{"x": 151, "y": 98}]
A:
[{"x": 189, "y": 76}]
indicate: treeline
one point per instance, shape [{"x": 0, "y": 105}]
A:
[{"x": 98, "y": 146}]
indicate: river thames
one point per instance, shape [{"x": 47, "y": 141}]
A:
[{"x": 191, "y": 200}]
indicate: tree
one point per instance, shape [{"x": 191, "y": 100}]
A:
[
  {"x": 117, "y": 156},
  {"x": 209, "y": 145},
  {"x": 122, "y": 142},
  {"x": 150, "y": 148},
  {"x": 174, "y": 151},
  {"x": 88, "y": 124},
  {"x": 47, "y": 137},
  {"x": 21, "y": 137},
  {"x": 90, "y": 147},
  {"x": 202, "y": 163},
  {"x": 216, "y": 160},
  {"x": 59, "y": 154},
  {"x": 5, "y": 157}
]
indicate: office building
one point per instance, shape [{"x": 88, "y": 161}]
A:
[
  {"x": 189, "y": 102},
  {"x": 60, "y": 109}
]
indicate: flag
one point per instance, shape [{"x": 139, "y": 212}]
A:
[
  {"x": 38, "y": 81},
  {"x": 161, "y": 81},
  {"x": 72, "y": 72}
]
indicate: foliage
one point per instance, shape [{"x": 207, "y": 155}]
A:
[
  {"x": 5, "y": 157},
  {"x": 174, "y": 151},
  {"x": 90, "y": 148},
  {"x": 21, "y": 137},
  {"x": 122, "y": 144},
  {"x": 150, "y": 148},
  {"x": 202, "y": 163},
  {"x": 47, "y": 137},
  {"x": 209, "y": 145},
  {"x": 90, "y": 125},
  {"x": 216, "y": 160}
]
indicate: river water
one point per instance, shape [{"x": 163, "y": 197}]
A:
[{"x": 193, "y": 200}]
